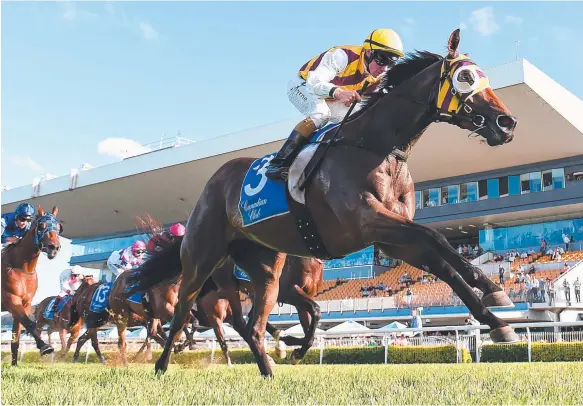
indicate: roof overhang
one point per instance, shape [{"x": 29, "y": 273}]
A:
[{"x": 166, "y": 184}]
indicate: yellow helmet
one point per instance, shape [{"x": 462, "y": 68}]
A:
[{"x": 385, "y": 40}]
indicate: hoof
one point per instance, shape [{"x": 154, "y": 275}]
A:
[
  {"x": 280, "y": 351},
  {"x": 497, "y": 299},
  {"x": 14, "y": 363},
  {"x": 504, "y": 335},
  {"x": 102, "y": 360},
  {"x": 46, "y": 349},
  {"x": 159, "y": 368},
  {"x": 271, "y": 361},
  {"x": 295, "y": 358},
  {"x": 74, "y": 361}
]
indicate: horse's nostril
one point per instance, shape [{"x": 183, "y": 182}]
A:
[{"x": 506, "y": 122}]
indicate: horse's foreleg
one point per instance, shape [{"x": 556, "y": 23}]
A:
[
  {"x": 16, "y": 329},
  {"x": 309, "y": 315},
  {"x": 421, "y": 246},
  {"x": 20, "y": 315},
  {"x": 95, "y": 343},
  {"x": 121, "y": 341},
  {"x": 82, "y": 340},
  {"x": 74, "y": 331}
]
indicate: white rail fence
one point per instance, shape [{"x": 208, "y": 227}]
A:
[{"x": 469, "y": 337}]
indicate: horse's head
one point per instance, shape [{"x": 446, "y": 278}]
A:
[
  {"x": 46, "y": 232},
  {"x": 466, "y": 99}
]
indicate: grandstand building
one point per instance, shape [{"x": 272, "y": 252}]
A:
[{"x": 501, "y": 199}]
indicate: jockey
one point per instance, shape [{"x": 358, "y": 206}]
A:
[
  {"x": 157, "y": 242},
  {"x": 327, "y": 85},
  {"x": 127, "y": 258},
  {"x": 15, "y": 225},
  {"x": 70, "y": 280}
]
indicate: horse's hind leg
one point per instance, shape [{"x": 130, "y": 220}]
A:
[
  {"x": 121, "y": 341},
  {"x": 16, "y": 329},
  {"x": 218, "y": 329}
]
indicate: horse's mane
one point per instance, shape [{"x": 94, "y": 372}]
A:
[{"x": 412, "y": 64}]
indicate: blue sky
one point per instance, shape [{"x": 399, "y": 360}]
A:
[{"x": 76, "y": 74}]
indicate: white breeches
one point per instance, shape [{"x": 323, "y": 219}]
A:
[{"x": 320, "y": 110}]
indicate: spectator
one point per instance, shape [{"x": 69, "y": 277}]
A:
[
  {"x": 409, "y": 297},
  {"x": 459, "y": 249},
  {"x": 534, "y": 288},
  {"x": 543, "y": 246},
  {"x": 577, "y": 287},
  {"x": 531, "y": 251},
  {"x": 566, "y": 240},
  {"x": 541, "y": 289},
  {"x": 416, "y": 321},
  {"x": 565, "y": 267},
  {"x": 501, "y": 274},
  {"x": 567, "y": 287},
  {"x": 512, "y": 294},
  {"x": 524, "y": 255},
  {"x": 551, "y": 291}
]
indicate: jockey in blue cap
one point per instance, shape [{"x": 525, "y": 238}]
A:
[{"x": 15, "y": 225}]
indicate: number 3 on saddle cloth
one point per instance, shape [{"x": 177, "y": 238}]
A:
[
  {"x": 262, "y": 198},
  {"x": 50, "y": 311}
]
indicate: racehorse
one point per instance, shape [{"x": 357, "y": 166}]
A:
[
  {"x": 19, "y": 278},
  {"x": 301, "y": 280},
  {"x": 361, "y": 194},
  {"x": 64, "y": 320},
  {"x": 158, "y": 309}
]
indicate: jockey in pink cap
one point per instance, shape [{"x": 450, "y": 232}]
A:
[
  {"x": 128, "y": 258},
  {"x": 159, "y": 241}
]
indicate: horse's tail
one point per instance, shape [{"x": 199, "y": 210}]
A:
[{"x": 163, "y": 266}]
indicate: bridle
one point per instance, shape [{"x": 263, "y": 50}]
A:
[{"x": 52, "y": 224}]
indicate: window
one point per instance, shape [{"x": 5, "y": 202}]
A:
[
  {"x": 513, "y": 185},
  {"x": 524, "y": 183},
  {"x": 453, "y": 192},
  {"x": 444, "y": 195},
  {"x": 503, "y": 186},
  {"x": 431, "y": 197},
  {"x": 547, "y": 180},
  {"x": 535, "y": 182},
  {"x": 483, "y": 189},
  {"x": 468, "y": 192},
  {"x": 418, "y": 201},
  {"x": 558, "y": 178},
  {"x": 493, "y": 188}
]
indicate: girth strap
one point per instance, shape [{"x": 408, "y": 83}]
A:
[{"x": 307, "y": 228}]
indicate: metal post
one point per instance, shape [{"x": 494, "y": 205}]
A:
[
  {"x": 457, "y": 347},
  {"x": 321, "y": 349},
  {"x": 386, "y": 341},
  {"x": 213, "y": 347},
  {"x": 89, "y": 347},
  {"x": 529, "y": 345},
  {"x": 478, "y": 344},
  {"x": 22, "y": 351}
]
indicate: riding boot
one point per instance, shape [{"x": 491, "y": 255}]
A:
[
  {"x": 279, "y": 166},
  {"x": 56, "y": 305}
]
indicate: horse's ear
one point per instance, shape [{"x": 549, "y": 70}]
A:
[
  {"x": 55, "y": 211},
  {"x": 453, "y": 43},
  {"x": 40, "y": 211}
]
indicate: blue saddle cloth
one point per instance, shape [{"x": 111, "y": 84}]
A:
[
  {"x": 136, "y": 297},
  {"x": 240, "y": 274},
  {"x": 100, "y": 299},
  {"x": 263, "y": 198},
  {"x": 50, "y": 310}
]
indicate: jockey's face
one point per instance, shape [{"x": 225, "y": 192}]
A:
[{"x": 22, "y": 222}]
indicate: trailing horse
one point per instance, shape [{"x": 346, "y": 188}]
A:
[
  {"x": 359, "y": 192},
  {"x": 63, "y": 319},
  {"x": 19, "y": 278}
]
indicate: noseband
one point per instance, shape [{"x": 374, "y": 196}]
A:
[{"x": 52, "y": 224}]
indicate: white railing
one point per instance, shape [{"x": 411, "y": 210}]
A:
[
  {"x": 343, "y": 306},
  {"x": 482, "y": 259}
]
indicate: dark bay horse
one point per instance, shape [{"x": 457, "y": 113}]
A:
[
  {"x": 63, "y": 321},
  {"x": 361, "y": 194},
  {"x": 19, "y": 278}
]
